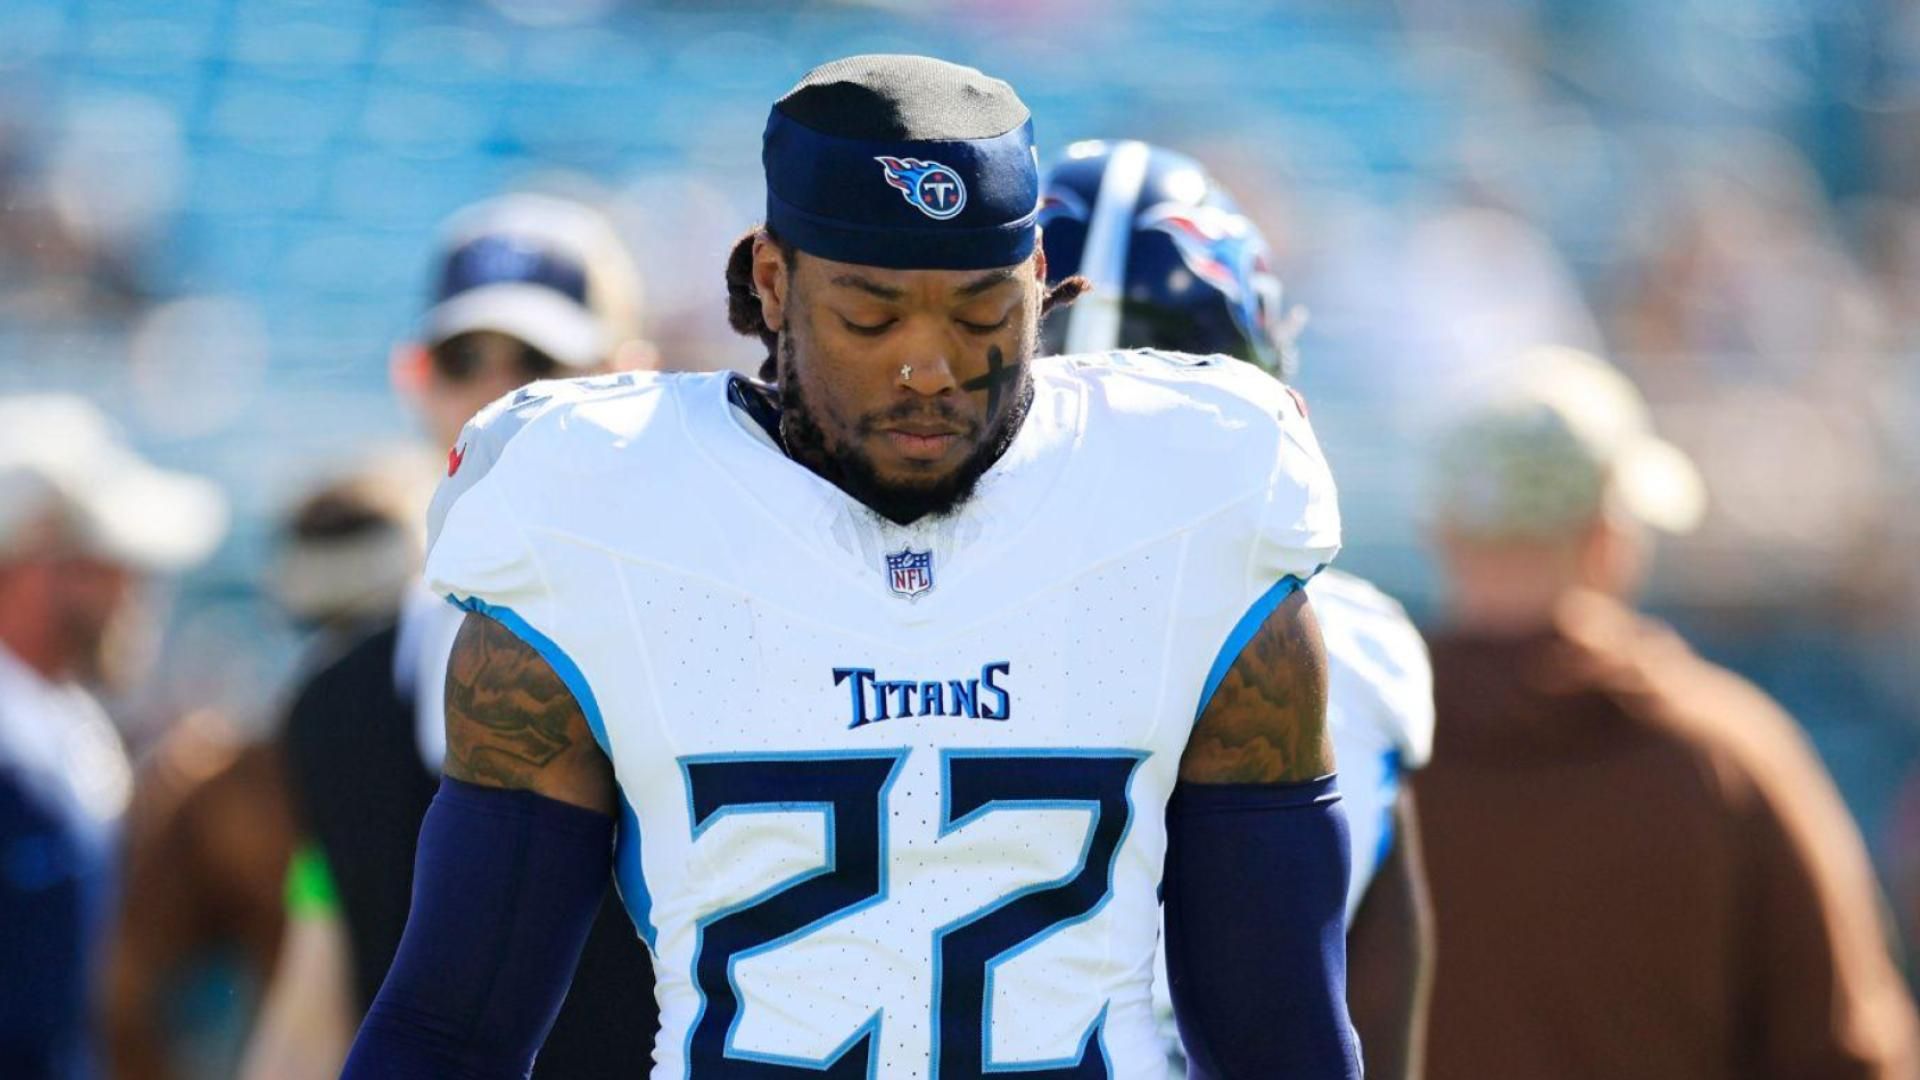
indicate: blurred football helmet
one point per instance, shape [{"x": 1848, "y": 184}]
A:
[{"x": 1174, "y": 263}]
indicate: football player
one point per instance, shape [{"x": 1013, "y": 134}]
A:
[
  {"x": 1174, "y": 264},
  {"x": 896, "y": 691}
]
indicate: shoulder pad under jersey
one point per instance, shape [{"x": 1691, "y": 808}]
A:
[
  {"x": 1369, "y": 634},
  {"x": 484, "y": 439},
  {"x": 1209, "y": 430}
]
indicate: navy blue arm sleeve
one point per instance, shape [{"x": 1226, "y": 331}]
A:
[
  {"x": 505, "y": 887},
  {"x": 1255, "y": 893},
  {"x": 51, "y": 885}
]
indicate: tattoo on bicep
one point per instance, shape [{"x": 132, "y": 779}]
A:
[
  {"x": 508, "y": 714},
  {"x": 1267, "y": 722}
]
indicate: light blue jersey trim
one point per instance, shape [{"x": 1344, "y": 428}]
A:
[
  {"x": 552, "y": 653},
  {"x": 630, "y": 876},
  {"x": 1390, "y": 789},
  {"x": 628, "y": 873},
  {"x": 1243, "y": 632}
]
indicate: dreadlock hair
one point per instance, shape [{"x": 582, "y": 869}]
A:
[
  {"x": 743, "y": 300},
  {"x": 1064, "y": 292}
]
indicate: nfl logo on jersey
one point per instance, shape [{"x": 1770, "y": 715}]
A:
[{"x": 909, "y": 572}]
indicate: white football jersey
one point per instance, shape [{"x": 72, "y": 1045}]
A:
[
  {"x": 1379, "y": 710},
  {"x": 893, "y": 796}
]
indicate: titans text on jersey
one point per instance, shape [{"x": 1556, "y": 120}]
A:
[
  {"x": 876, "y": 699},
  {"x": 846, "y": 846}
]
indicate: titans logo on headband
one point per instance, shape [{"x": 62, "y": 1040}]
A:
[{"x": 932, "y": 188}]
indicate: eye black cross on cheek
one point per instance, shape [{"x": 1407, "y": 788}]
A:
[{"x": 998, "y": 375}]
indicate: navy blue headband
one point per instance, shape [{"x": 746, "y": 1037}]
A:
[
  {"x": 964, "y": 204},
  {"x": 497, "y": 259}
]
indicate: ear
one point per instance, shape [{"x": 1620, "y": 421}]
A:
[
  {"x": 1617, "y": 552},
  {"x": 1040, "y": 260},
  {"x": 770, "y": 280},
  {"x": 408, "y": 368}
]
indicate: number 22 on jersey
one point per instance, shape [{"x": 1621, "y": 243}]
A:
[{"x": 850, "y": 791}]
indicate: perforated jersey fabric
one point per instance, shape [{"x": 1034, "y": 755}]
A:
[{"x": 892, "y": 795}]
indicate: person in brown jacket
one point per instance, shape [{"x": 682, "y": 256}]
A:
[{"x": 1639, "y": 867}]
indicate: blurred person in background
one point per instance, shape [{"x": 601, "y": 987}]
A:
[
  {"x": 210, "y": 829},
  {"x": 1174, "y": 265},
  {"x": 82, "y": 520},
  {"x": 526, "y": 287},
  {"x": 1638, "y": 866},
  {"x": 1744, "y": 314}
]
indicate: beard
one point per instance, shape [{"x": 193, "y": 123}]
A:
[{"x": 852, "y": 470}]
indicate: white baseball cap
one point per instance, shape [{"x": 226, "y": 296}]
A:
[
  {"x": 1571, "y": 437},
  {"x": 548, "y": 271},
  {"x": 62, "y": 461}
]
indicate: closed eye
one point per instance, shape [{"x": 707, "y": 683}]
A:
[
  {"x": 866, "y": 330},
  {"x": 984, "y": 328}
]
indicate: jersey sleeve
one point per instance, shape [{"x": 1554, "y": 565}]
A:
[
  {"x": 1299, "y": 531},
  {"x": 1406, "y": 692},
  {"x": 477, "y": 552},
  {"x": 1216, "y": 428},
  {"x": 1369, "y": 635}
]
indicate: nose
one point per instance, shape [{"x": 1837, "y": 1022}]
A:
[{"x": 926, "y": 366}]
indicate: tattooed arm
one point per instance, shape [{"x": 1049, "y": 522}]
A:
[
  {"x": 515, "y": 855},
  {"x": 512, "y": 723},
  {"x": 1256, "y": 876},
  {"x": 1267, "y": 723}
]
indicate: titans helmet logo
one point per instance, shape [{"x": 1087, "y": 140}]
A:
[
  {"x": 928, "y": 186},
  {"x": 1062, "y": 203},
  {"x": 1222, "y": 249}
]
